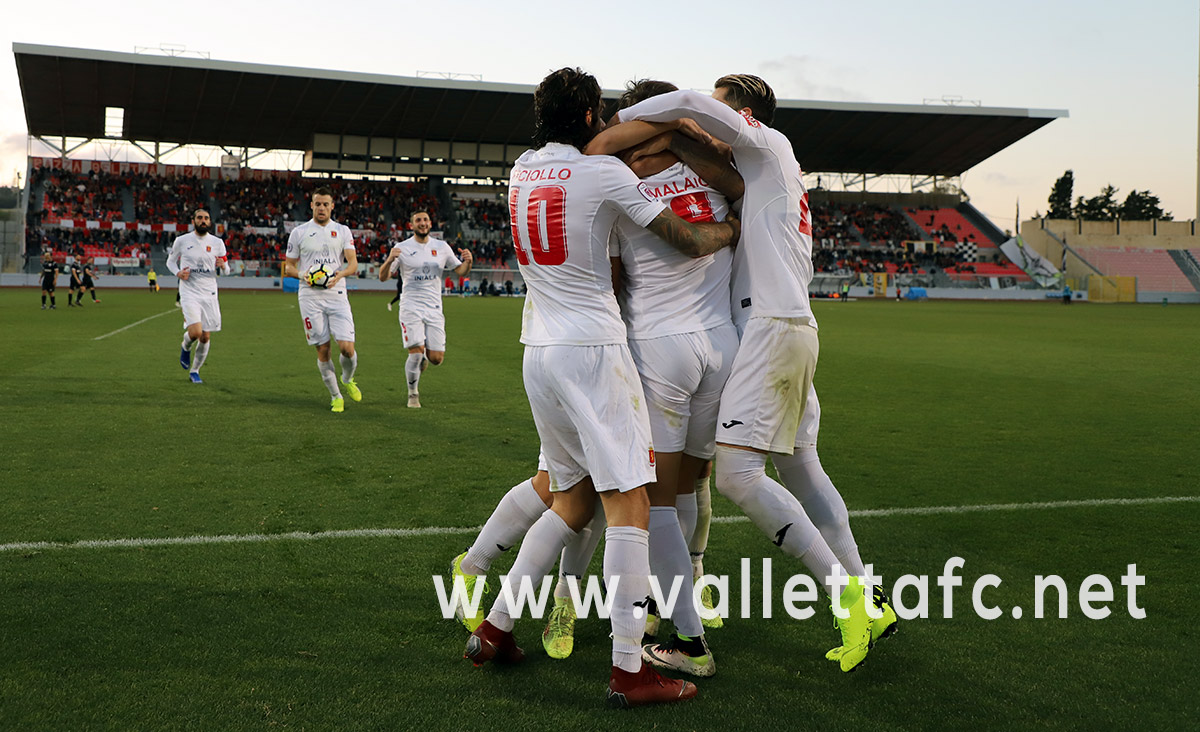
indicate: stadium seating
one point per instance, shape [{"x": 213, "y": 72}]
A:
[
  {"x": 949, "y": 226},
  {"x": 482, "y": 217},
  {"x": 1154, "y": 268},
  {"x": 378, "y": 210}
]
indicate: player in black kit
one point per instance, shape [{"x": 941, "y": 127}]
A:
[
  {"x": 49, "y": 275},
  {"x": 88, "y": 283},
  {"x": 76, "y": 284}
]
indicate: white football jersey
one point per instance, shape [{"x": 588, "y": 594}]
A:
[
  {"x": 421, "y": 267},
  {"x": 772, "y": 265},
  {"x": 199, "y": 255},
  {"x": 664, "y": 292},
  {"x": 314, "y": 244},
  {"x": 564, "y": 205}
]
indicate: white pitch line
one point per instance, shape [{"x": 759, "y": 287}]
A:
[
  {"x": 452, "y": 530},
  {"x": 131, "y": 325}
]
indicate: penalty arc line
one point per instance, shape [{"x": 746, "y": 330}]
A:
[
  {"x": 453, "y": 531},
  {"x": 131, "y": 325}
]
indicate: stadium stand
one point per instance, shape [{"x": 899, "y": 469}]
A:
[
  {"x": 481, "y": 217},
  {"x": 948, "y": 225},
  {"x": 77, "y": 211},
  {"x": 253, "y": 215},
  {"x": 1155, "y": 269}
]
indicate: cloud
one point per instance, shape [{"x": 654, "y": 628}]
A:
[
  {"x": 808, "y": 77},
  {"x": 1000, "y": 179}
]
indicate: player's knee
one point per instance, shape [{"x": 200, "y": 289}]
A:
[
  {"x": 737, "y": 472},
  {"x": 204, "y": 336},
  {"x": 436, "y": 357}
]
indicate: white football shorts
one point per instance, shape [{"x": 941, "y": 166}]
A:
[
  {"x": 590, "y": 413},
  {"x": 423, "y": 329},
  {"x": 683, "y": 376},
  {"x": 810, "y": 422},
  {"x": 202, "y": 309},
  {"x": 325, "y": 315},
  {"x": 767, "y": 393}
]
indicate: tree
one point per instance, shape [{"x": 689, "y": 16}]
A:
[
  {"x": 1103, "y": 207},
  {"x": 1143, "y": 206},
  {"x": 1060, "y": 196}
]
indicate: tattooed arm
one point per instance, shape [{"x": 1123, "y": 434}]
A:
[
  {"x": 695, "y": 240},
  {"x": 713, "y": 162}
]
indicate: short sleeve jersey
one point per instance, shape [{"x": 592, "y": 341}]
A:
[
  {"x": 49, "y": 271},
  {"x": 664, "y": 292},
  {"x": 772, "y": 265},
  {"x": 314, "y": 244},
  {"x": 198, "y": 255},
  {"x": 76, "y": 272},
  {"x": 421, "y": 267},
  {"x": 563, "y": 206}
]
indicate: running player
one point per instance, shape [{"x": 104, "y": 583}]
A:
[
  {"x": 194, "y": 259},
  {"x": 766, "y": 395},
  {"x": 49, "y": 275},
  {"x": 419, "y": 262},
  {"x": 326, "y": 311},
  {"x": 579, "y": 376}
]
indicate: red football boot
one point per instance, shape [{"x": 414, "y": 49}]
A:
[
  {"x": 489, "y": 643},
  {"x": 646, "y": 686}
]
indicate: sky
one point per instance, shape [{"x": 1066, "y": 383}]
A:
[{"x": 1127, "y": 73}]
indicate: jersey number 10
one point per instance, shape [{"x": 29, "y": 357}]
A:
[{"x": 545, "y": 219}]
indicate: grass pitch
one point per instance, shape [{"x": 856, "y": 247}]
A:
[{"x": 923, "y": 404}]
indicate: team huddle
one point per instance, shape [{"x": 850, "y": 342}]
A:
[
  {"x": 636, "y": 265},
  {"x": 320, "y": 255},
  {"x": 664, "y": 342}
]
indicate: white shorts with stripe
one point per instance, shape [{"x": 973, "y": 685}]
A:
[
  {"x": 423, "y": 329},
  {"x": 683, "y": 376},
  {"x": 590, "y": 413},
  {"x": 326, "y": 315},
  {"x": 767, "y": 393}
]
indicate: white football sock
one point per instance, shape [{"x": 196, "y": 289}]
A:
[
  {"x": 669, "y": 559},
  {"x": 741, "y": 478},
  {"x": 804, "y": 477},
  {"x": 685, "y": 506},
  {"x": 546, "y": 538},
  {"x": 200, "y": 355},
  {"x": 412, "y": 371},
  {"x": 577, "y": 554},
  {"x": 515, "y": 513},
  {"x": 627, "y": 556},
  {"x": 699, "y": 541},
  {"x": 348, "y": 367},
  {"x": 187, "y": 340},
  {"x": 329, "y": 377}
]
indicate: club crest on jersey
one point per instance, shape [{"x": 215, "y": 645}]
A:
[
  {"x": 333, "y": 234},
  {"x": 750, "y": 119},
  {"x": 646, "y": 192},
  {"x": 433, "y": 252},
  {"x": 208, "y": 249}
]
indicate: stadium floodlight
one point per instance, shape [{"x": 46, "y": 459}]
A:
[{"x": 114, "y": 122}]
